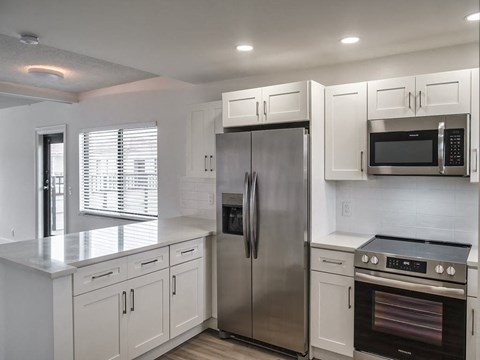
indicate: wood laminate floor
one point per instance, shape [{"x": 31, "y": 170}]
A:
[{"x": 208, "y": 346}]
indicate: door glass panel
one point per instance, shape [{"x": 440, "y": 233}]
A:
[
  {"x": 408, "y": 317},
  {"x": 57, "y": 193}
]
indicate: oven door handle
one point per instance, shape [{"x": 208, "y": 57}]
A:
[{"x": 429, "y": 289}]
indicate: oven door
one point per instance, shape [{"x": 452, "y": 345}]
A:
[{"x": 403, "y": 317}]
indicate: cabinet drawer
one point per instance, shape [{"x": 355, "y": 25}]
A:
[
  {"x": 99, "y": 275},
  {"x": 147, "y": 262},
  {"x": 335, "y": 262},
  {"x": 185, "y": 251},
  {"x": 472, "y": 283}
]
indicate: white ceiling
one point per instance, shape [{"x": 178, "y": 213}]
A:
[{"x": 194, "y": 40}]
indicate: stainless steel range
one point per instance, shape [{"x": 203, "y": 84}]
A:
[{"x": 410, "y": 299}]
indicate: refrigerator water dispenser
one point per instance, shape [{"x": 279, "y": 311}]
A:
[{"x": 232, "y": 214}]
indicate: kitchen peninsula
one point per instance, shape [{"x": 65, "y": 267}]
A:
[{"x": 51, "y": 287}]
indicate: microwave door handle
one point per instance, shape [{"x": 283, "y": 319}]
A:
[
  {"x": 441, "y": 147},
  {"x": 246, "y": 215}
]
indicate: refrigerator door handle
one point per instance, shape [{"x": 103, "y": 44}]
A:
[
  {"x": 253, "y": 215},
  {"x": 246, "y": 215}
]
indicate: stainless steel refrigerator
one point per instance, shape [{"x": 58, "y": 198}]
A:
[{"x": 263, "y": 236}]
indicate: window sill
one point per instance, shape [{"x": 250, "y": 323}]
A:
[{"x": 117, "y": 217}]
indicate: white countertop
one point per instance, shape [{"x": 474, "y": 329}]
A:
[
  {"x": 59, "y": 256},
  {"x": 341, "y": 241},
  {"x": 473, "y": 257}
]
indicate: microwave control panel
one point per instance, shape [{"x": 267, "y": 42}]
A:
[{"x": 454, "y": 147}]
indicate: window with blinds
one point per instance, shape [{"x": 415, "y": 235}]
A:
[{"x": 118, "y": 172}]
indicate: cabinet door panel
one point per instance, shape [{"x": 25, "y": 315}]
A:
[
  {"x": 391, "y": 98},
  {"x": 148, "y": 322},
  {"x": 475, "y": 128},
  {"x": 443, "y": 93},
  {"x": 241, "y": 108},
  {"x": 196, "y": 152},
  {"x": 186, "y": 296},
  {"x": 473, "y": 328},
  {"x": 332, "y": 313},
  {"x": 100, "y": 325},
  {"x": 286, "y": 102},
  {"x": 346, "y": 132}
]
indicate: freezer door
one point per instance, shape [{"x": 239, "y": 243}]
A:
[
  {"x": 279, "y": 221},
  {"x": 234, "y": 266}
]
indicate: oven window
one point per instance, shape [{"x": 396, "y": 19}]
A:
[
  {"x": 408, "y": 317},
  {"x": 400, "y": 152}
]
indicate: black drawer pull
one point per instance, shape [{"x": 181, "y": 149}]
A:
[
  {"x": 103, "y": 275},
  {"x": 149, "y": 262}
]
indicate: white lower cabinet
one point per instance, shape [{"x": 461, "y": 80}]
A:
[
  {"x": 186, "y": 296},
  {"x": 473, "y": 328},
  {"x": 148, "y": 319},
  {"x": 332, "y": 312},
  {"x": 122, "y": 321},
  {"x": 100, "y": 325}
]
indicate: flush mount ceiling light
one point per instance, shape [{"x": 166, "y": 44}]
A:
[
  {"x": 244, "y": 48},
  {"x": 29, "y": 39},
  {"x": 46, "y": 72},
  {"x": 473, "y": 17},
  {"x": 350, "y": 40}
]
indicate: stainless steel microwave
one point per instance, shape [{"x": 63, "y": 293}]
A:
[{"x": 423, "y": 145}]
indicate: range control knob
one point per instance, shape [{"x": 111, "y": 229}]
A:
[
  {"x": 365, "y": 259},
  {"x": 374, "y": 260},
  {"x": 451, "y": 270},
  {"x": 439, "y": 269}
]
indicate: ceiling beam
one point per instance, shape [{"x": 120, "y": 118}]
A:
[{"x": 37, "y": 93}]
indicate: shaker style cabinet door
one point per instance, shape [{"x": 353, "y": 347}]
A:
[
  {"x": 391, "y": 98},
  {"x": 443, "y": 93},
  {"x": 286, "y": 102},
  {"x": 201, "y": 128},
  {"x": 100, "y": 324},
  {"x": 473, "y": 328},
  {"x": 475, "y": 128},
  {"x": 186, "y": 296},
  {"x": 346, "y": 132},
  {"x": 148, "y": 309},
  {"x": 332, "y": 312},
  {"x": 242, "y": 108}
]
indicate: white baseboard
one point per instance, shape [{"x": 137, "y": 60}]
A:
[{"x": 179, "y": 340}]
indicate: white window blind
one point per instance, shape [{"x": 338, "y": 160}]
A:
[{"x": 118, "y": 172}]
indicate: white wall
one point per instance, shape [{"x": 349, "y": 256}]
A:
[{"x": 166, "y": 102}]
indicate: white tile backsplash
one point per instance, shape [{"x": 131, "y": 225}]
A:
[
  {"x": 195, "y": 196},
  {"x": 431, "y": 208}
]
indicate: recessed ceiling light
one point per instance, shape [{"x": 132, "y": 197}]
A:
[
  {"x": 46, "y": 72},
  {"x": 473, "y": 17},
  {"x": 244, "y": 47},
  {"x": 29, "y": 39},
  {"x": 350, "y": 40}
]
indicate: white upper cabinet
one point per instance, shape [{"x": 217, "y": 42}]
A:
[
  {"x": 443, "y": 93},
  {"x": 475, "y": 129},
  {"x": 201, "y": 128},
  {"x": 346, "y": 132},
  {"x": 242, "y": 107},
  {"x": 285, "y": 103},
  {"x": 268, "y": 105},
  {"x": 391, "y": 98},
  {"x": 431, "y": 94}
]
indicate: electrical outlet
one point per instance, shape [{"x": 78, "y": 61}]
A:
[
  {"x": 70, "y": 191},
  {"x": 12, "y": 231},
  {"x": 346, "y": 208},
  {"x": 211, "y": 198}
]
